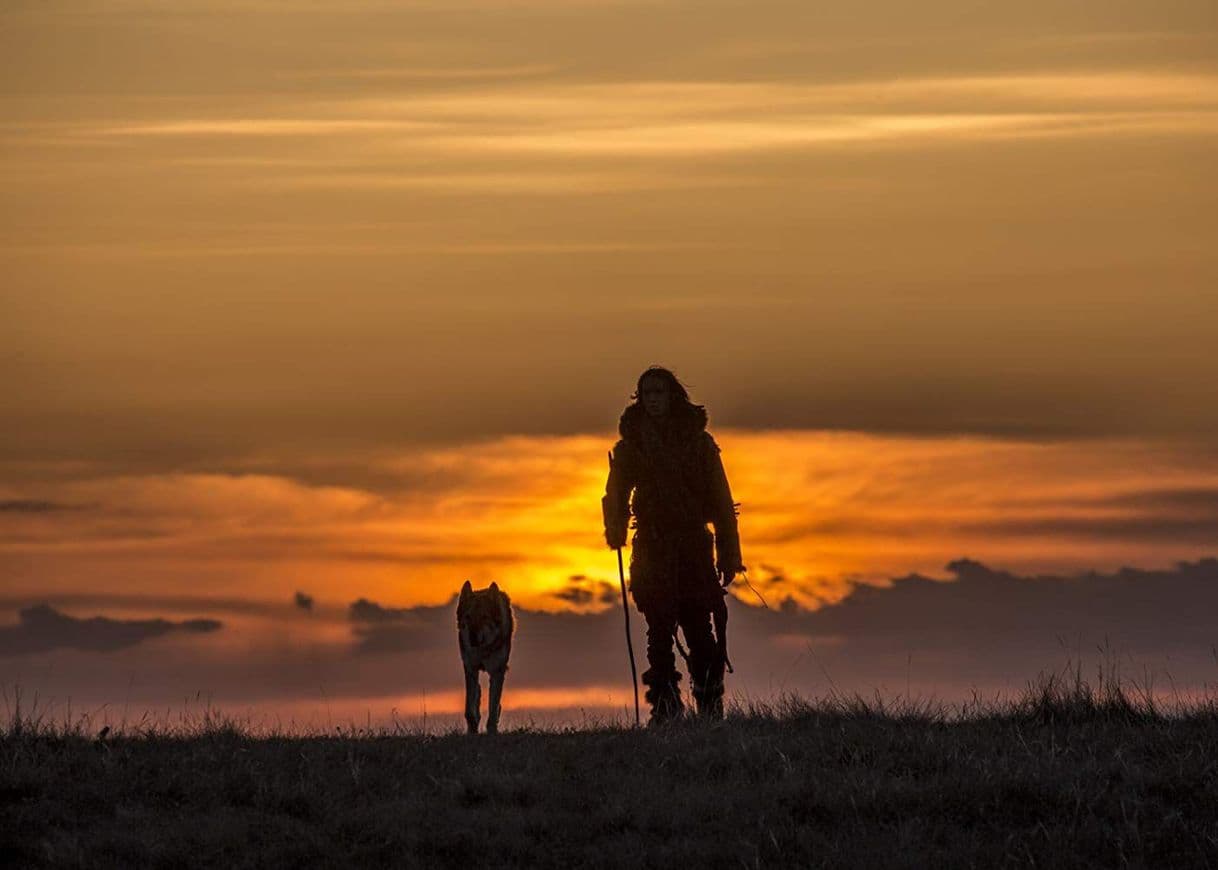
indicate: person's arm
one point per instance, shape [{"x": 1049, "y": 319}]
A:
[
  {"x": 728, "y": 560},
  {"x": 615, "y": 506}
]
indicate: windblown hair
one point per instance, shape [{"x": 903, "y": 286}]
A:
[{"x": 681, "y": 405}]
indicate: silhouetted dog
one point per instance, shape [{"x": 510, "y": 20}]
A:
[{"x": 484, "y": 630}]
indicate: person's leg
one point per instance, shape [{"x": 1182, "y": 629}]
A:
[
  {"x": 651, "y": 585},
  {"x": 661, "y": 677},
  {"x": 700, "y": 593},
  {"x": 706, "y": 664}
]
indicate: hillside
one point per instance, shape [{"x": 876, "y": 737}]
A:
[{"x": 1065, "y": 777}]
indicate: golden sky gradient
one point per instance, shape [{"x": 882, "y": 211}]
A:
[
  {"x": 346, "y": 297},
  {"x": 820, "y": 512},
  {"x": 228, "y": 224}
]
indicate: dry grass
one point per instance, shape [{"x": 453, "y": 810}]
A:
[{"x": 1073, "y": 774}]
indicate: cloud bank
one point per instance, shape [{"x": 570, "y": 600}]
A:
[
  {"x": 42, "y": 628},
  {"x": 984, "y": 630}
]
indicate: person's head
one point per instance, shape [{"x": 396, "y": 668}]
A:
[{"x": 658, "y": 391}]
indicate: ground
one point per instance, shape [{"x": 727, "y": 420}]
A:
[{"x": 1062, "y": 778}]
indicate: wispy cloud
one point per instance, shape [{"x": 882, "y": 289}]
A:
[
  {"x": 832, "y": 509},
  {"x": 677, "y": 117},
  {"x": 259, "y": 127},
  {"x": 722, "y": 137},
  {"x": 520, "y": 183},
  {"x": 33, "y": 506},
  {"x": 129, "y": 250},
  {"x": 439, "y": 73}
]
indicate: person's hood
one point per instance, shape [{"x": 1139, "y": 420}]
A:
[{"x": 691, "y": 421}]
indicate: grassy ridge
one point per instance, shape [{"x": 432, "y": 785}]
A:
[{"x": 1067, "y": 776}]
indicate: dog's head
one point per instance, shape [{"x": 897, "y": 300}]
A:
[{"x": 486, "y": 613}]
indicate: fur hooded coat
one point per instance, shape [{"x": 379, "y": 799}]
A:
[{"x": 668, "y": 474}]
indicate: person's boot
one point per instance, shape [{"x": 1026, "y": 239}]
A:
[{"x": 664, "y": 696}]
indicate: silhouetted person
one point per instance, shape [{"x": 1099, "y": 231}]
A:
[{"x": 678, "y": 571}]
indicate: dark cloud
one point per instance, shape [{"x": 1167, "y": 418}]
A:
[
  {"x": 1159, "y": 609},
  {"x": 980, "y": 614},
  {"x": 365, "y": 611},
  {"x": 1172, "y": 515},
  {"x": 33, "y": 506},
  {"x": 575, "y": 595},
  {"x": 304, "y": 601},
  {"x": 582, "y": 591},
  {"x": 990, "y": 629},
  {"x": 773, "y": 573},
  {"x": 379, "y": 629},
  {"x": 431, "y": 557},
  {"x": 844, "y": 525},
  {"x": 298, "y": 543},
  {"x": 1178, "y": 529},
  {"x": 984, "y": 629},
  {"x": 42, "y": 628},
  {"x": 177, "y": 603},
  {"x": 1203, "y": 499}
]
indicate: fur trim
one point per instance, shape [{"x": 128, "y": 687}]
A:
[{"x": 692, "y": 420}]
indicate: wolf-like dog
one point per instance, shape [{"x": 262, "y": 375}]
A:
[{"x": 484, "y": 632}]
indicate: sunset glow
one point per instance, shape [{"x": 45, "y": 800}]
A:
[
  {"x": 821, "y": 511},
  {"x": 345, "y": 299}
]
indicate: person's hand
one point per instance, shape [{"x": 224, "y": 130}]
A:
[
  {"x": 615, "y": 537},
  {"x": 726, "y": 576}
]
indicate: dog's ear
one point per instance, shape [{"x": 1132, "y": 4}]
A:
[
  {"x": 467, "y": 594},
  {"x": 494, "y": 585}
]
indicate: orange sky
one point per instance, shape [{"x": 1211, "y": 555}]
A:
[
  {"x": 234, "y": 224},
  {"x": 823, "y": 510},
  {"x": 346, "y": 297}
]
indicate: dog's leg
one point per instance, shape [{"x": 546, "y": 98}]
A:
[
  {"x": 473, "y": 700},
  {"x": 492, "y": 707}
]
